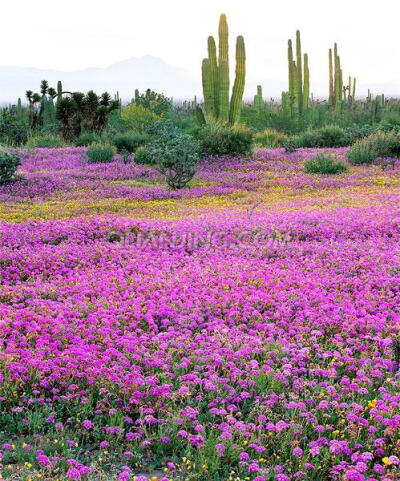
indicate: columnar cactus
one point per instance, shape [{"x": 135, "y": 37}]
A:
[
  {"x": 215, "y": 73},
  {"x": 290, "y": 69},
  {"x": 331, "y": 88},
  {"x": 354, "y": 88},
  {"x": 207, "y": 87},
  {"x": 297, "y": 78},
  {"x": 238, "y": 86},
  {"x": 299, "y": 72},
  {"x": 212, "y": 58},
  {"x": 306, "y": 89},
  {"x": 258, "y": 98},
  {"x": 59, "y": 91}
]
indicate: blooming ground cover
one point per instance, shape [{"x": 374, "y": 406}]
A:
[{"x": 243, "y": 328}]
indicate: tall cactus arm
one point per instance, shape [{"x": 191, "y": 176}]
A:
[{"x": 238, "y": 86}]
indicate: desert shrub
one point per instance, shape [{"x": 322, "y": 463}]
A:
[
  {"x": 357, "y": 132},
  {"x": 327, "y": 136},
  {"x": 378, "y": 144},
  {"x": 142, "y": 156},
  {"x": 13, "y": 131},
  {"x": 9, "y": 163},
  {"x": 129, "y": 142},
  {"x": 139, "y": 118},
  {"x": 100, "y": 153},
  {"x": 391, "y": 121},
  {"x": 322, "y": 164},
  {"x": 269, "y": 138},
  {"x": 290, "y": 145},
  {"x": 173, "y": 154},
  {"x": 219, "y": 139},
  {"x": 87, "y": 138},
  {"x": 154, "y": 101},
  {"x": 45, "y": 141}
]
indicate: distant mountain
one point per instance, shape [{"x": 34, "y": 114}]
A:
[{"x": 126, "y": 76}]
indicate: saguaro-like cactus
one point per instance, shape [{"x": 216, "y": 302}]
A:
[
  {"x": 331, "y": 88},
  {"x": 306, "y": 89},
  {"x": 238, "y": 86},
  {"x": 215, "y": 73},
  {"x": 258, "y": 98},
  {"x": 207, "y": 87},
  {"x": 212, "y": 58},
  {"x": 59, "y": 91},
  {"x": 299, "y": 70},
  {"x": 290, "y": 69}
]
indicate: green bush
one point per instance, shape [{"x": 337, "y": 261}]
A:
[
  {"x": 378, "y": 144},
  {"x": 139, "y": 118},
  {"x": 87, "y": 138},
  {"x": 100, "y": 153},
  {"x": 129, "y": 142},
  {"x": 45, "y": 141},
  {"x": 9, "y": 163},
  {"x": 327, "y": 136},
  {"x": 269, "y": 138},
  {"x": 322, "y": 164},
  {"x": 142, "y": 156},
  {"x": 13, "y": 131},
  {"x": 173, "y": 154},
  {"x": 358, "y": 132},
  {"x": 219, "y": 139}
]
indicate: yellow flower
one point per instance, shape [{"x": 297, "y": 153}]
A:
[{"x": 386, "y": 461}]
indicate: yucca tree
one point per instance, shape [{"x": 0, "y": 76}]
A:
[
  {"x": 44, "y": 87},
  {"x": 65, "y": 113}
]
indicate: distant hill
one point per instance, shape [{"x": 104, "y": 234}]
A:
[
  {"x": 146, "y": 72},
  {"x": 126, "y": 76}
]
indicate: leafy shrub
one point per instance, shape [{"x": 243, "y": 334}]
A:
[
  {"x": 378, "y": 144},
  {"x": 269, "y": 138},
  {"x": 219, "y": 139},
  {"x": 9, "y": 163},
  {"x": 173, "y": 154},
  {"x": 46, "y": 141},
  {"x": 129, "y": 142},
  {"x": 391, "y": 121},
  {"x": 358, "y": 132},
  {"x": 153, "y": 101},
  {"x": 13, "y": 131},
  {"x": 100, "y": 153},
  {"x": 142, "y": 156},
  {"x": 290, "y": 145},
  {"x": 139, "y": 118},
  {"x": 87, "y": 138},
  {"x": 327, "y": 136},
  {"x": 322, "y": 164}
]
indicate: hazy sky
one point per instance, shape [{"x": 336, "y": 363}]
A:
[{"x": 76, "y": 34}]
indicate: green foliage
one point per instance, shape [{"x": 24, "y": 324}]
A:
[
  {"x": 87, "y": 138},
  {"x": 13, "y": 130},
  {"x": 139, "y": 118},
  {"x": 357, "y": 132},
  {"x": 378, "y": 144},
  {"x": 100, "y": 153},
  {"x": 129, "y": 141},
  {"x": 142, "y": 156},
  {"x": 322, "y": 164},
  {"x": 390, "y": 121},
  {"x": 45, "y": 141},
  {"x": 269, "y": 138},
  {"x": 220, "y": 139},
  {"x": 327, "y": 136},
  {"x": 153, "y": 101},
  {"x": 9, "y": 163},
  {"x": 173, "y": 154}
]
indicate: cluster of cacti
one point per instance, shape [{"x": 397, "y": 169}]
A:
[
  {"x": 299, "y": 79},
  {"x": 339, "y": 94},
  {"x": 258, "y": 98},
  {"x": 215, "y": 77}
]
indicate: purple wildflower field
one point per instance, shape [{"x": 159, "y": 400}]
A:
[{"x": 245, "y": 327}]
